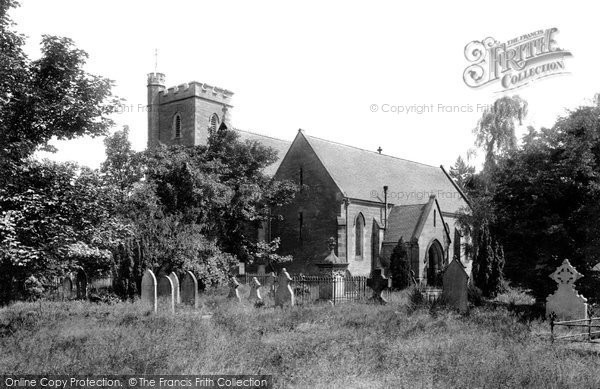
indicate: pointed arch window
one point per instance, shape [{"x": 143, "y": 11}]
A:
[
  {"x": 177, "y": 125},
  {"x": 214, "y": 122},
  {"x": 359, "y": 236}
]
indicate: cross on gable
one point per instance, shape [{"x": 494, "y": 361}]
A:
[{"x": 565, "y": 274}]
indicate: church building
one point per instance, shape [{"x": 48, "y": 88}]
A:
[{"x": 366, "y": 200}]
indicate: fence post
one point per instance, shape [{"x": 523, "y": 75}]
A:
[
  {"x": 552, "y": 317},
  {"x": 589, "y": 328}
]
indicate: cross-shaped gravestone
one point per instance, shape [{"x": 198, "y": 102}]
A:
[
  {"x": 254, "y": 296},
  {"x": 284, "y": 295},
  {"x": 378, "y": 283},
  {"x": 566, "y": 303},
  {"x": 149, "y": 293},
  {"x": 234, "y": 293}
]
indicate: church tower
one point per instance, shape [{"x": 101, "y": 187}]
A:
[{"x": 183, "y": 115}]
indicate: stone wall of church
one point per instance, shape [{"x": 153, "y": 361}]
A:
[
  {"x": 186, "y": 109},
  {"x": 317, "y": 204},
  {"x": 362, "y": 265}
]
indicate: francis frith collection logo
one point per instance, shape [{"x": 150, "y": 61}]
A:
[{"x": 516, "y": 62}]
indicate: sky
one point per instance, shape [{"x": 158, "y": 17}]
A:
[{"x": 322, "y": 65}]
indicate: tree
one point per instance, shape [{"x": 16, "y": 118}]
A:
[
  {"x": 462, "y": 174},
  {"x": 546, "y": 200},
  {"x": 488, "y": 264},
  {"x": 399, "y": 266},
  {"x": 495, "y": 131},
  {"x": 49, "y": 97},
  {"x": 53, "y": 220}
]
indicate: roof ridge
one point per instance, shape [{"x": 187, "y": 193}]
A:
[
  {"x": 370, "y": 151},
  {"x": 256, "y": 133}
]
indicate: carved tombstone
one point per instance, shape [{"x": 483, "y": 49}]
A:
[
  {"x": 254, "y": 296},
  {"x": 378, "y": 283},
  {"x": 284, "y": 295},
  {"x": 166, "y": 293},
  {"x": 81, "y": 283},
  {"x": 455, "y": 286},
  {"x": 566, "y": 303},
  {"x": 175, "y": 281},
  {"x": 234, "y": 293},
  {"x": 189, "y": 289},
  {"x": 66, "y": 288},
  {"x": 149, "y": 293}
]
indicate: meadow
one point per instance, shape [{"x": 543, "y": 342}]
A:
[{"x": 499, "y": 344}]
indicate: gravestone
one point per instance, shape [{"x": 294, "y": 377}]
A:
[
  {"x": 189, "y": 289},
  {"x": 284, "y": 295},
  {"x": 254, "y": 296},
  {"x": 166, "y": 293},
  {"x": 234, "y": 293},
  {"x": 149, "y": 293},
  {"x": 455, "y": 286},
  {"x": 596, "y": 267},
  {"x": 269, "y": 284},
  {"x": 378, "y": 282},
  {"x": 175, "y": 281},
  {"x": 81, "y": 283},
  {"x": 566, "y": 303},
  {"x": 66, "y": 288}
]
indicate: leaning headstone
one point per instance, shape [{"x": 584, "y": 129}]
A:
[
  {"x": 175, "y": 281},
  {"x": 189, "y": 289},
  {"x": 234, "y": 293},
  {"x": 566, "y": 303},
  {"x": 81, "y": 283},
  {"x": 166, "y": 293},
  {"x": 284, "y": 295},
  {"x": 455, "y": 286},
  {"x": 149, "y": 293},
  {"x": 254, "y": 296},
  {"x": 378, "y": 283},
  {"x": 66, "y": 288}
]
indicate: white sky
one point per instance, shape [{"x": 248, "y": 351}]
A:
[{"x": 319, "y": 65}]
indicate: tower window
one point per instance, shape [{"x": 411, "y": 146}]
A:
[
  {"x": 300, "y": 225},
  {"x": 177, "y": 125},
  {"x": 214, "y": 122}
]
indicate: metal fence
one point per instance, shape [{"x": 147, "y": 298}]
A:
[{"x": 313, "y": 289}]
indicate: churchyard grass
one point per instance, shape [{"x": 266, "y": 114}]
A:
[{"x": 346, "y": 346}]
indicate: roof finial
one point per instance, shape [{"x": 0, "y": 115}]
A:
[{"x": 379, "y": 149}]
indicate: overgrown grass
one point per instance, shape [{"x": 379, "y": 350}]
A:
[{"x": 346, "y": 346}]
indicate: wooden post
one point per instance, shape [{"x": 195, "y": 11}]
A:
[
  {"x": 552, "y": 316},
  {"x": 589, "y": 328}
]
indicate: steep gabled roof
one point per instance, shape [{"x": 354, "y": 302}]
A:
[
  {"x": 361, "y": 174},
  {"x": 403, "y": 221},
  {"x": 280, "y": 145}
]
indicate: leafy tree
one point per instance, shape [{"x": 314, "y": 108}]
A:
[
  {"x": 546, "y": 200},
  {"x": 488, "y": 264},
  {"x": 495, "y": 131},
  {"x": 49, "y": 97},
  {"x": 399, "y": 266},
  {"x": 462, "y": 174},
  {"x": 52, "y": 220}
]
